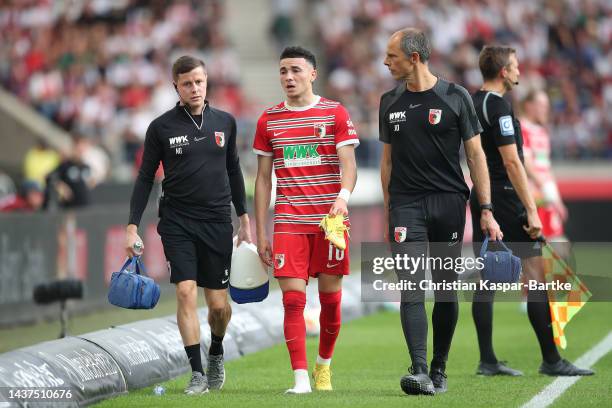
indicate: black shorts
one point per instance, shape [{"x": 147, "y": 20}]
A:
[
  {"x": 195, "y": 249},
  {"x": 511, "y": 217},
  {"x": 435, "y": 222}
]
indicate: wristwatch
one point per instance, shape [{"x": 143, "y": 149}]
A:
[{"x": 487, "y": 206}]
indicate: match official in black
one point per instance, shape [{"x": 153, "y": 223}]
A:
[
  {"x": 516, "y": 211},
  {"x": 196, "y": 145},
  {"x": 422, "y": 124}
]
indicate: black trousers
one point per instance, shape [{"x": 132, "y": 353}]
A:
[{"x": 435, "y": 223}]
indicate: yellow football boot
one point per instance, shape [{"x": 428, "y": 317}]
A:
[
  {"x": 334, "y": 229},
  {"x": 322, "y": 377}
]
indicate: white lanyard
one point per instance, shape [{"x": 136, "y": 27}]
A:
[{"x": 194, "y": 122}]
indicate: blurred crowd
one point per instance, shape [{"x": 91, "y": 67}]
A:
[
  {"x": 54, "y": 180},
  {"x": 101, "y": 68},
  {"x": 564, "y": 47}
]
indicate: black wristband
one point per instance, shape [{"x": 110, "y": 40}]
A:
[{"x": 487, "y": 206}]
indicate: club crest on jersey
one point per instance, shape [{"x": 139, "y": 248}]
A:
[
  {"x": 319, "y": 129},
  {"x": 279, "y": 261},
  {"x": 400, "y": 234},
  {"x": 220, "y": 139},
  {"x": 434, "y": 116}
]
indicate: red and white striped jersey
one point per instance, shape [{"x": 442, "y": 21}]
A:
[
  {"x": 303, "y": 142},
  {"x": 536, "y": 143}
]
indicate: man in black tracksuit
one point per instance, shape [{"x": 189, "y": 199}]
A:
[
  {"x": 422, "y": 124},
  {"x": 196, "y": 145},
  {"x": 515, "y": 211}
]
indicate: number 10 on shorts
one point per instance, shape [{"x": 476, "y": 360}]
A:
[{"x": 339, "y": 253}]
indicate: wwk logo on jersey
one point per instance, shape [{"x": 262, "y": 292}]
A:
[
  {"x": 301, "y": 155},
  {"x": 179, "y": 141},
  {"x": 279, "y": 261},
  {"x": 434, "y": 116},
  {"x": 396, "y": 117},
  {"x": 220, "y": 139},
  {"x": 400, "y": 234},
  {"x": 506, "y": 126}
]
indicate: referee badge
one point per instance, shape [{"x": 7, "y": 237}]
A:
[
  {"x": 220, "y": 139},
  {"x": 506, "y": 126},
  {"x": 434, "y": 116},
  {"x": 279, "y": 261},
  {"x": 319, "y": 129},
  {"x": 400, "y": 234}
]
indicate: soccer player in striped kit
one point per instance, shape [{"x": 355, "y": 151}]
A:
[
  {"x": 536, "y": 152},
  {"x": 306, "y": 139}
]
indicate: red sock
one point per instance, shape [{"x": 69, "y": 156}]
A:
[
  {"x": 330, "y": 320},
  {"x": 295, "y": 328}
]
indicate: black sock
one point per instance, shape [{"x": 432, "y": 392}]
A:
[
  {"x": 216, "y": 345},
  {"x": 482, "y": 312},
  {"x": 444, "y": 320},
  {"x": 538, "y": 311},
  {"x": 414, "y": 324},
  {"x": 193, "y": 354}
]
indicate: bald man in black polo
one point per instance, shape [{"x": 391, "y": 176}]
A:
[{"x": 422, "y": 125}]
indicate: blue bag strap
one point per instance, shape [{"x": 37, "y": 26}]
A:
[
  {"x": 128, "y": 263},
  {"x": 140, "y": 268},
  {"x": 499, "y": 241},
  {"x": 485, "y": 243},
  {"x": 134, "y": 263},
  {"x": 483, "y": 248}
]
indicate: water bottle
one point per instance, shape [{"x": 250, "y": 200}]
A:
[
  {"x": 159, "y": 390},
  {"x": 138, "y": 247}
]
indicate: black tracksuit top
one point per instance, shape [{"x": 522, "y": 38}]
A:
[{"x": 201, "y": 166}]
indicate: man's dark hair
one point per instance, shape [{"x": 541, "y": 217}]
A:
[
  {"x": 184, "y": 64},
  {"x": 493, "y": 58},
  {"x": 299, "y": 52},
  {"x": 414, "y": 40}
]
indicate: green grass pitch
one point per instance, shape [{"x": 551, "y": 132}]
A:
[{"x": 371, "y": 357}]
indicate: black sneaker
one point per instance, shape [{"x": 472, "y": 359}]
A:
[
  {"x": 417, "y": 382},
  {"x": 438, "y": 378},
  {"x": 563, "y": 368},
  {"x": 499, "y": 368}
]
